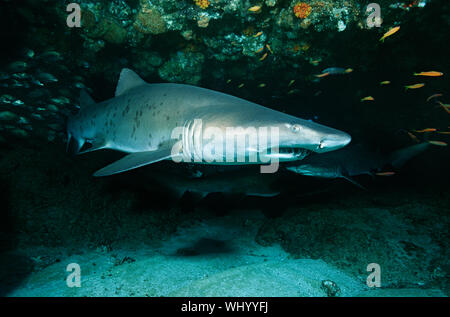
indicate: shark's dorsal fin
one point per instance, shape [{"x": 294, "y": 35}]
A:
[
  {"x": 127, "y": 80},
  {"x": 85, "y": 99}
]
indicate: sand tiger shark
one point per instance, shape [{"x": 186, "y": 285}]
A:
[
  {"x": 355, "y": 160},
  {"x": 141, "y": 119}
]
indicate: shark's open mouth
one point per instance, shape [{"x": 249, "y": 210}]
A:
[{"x": 292, "y": 152}]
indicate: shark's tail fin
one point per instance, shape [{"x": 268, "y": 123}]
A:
[{"x": 399, "y": 158}]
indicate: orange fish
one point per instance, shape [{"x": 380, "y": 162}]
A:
[
  {"x": 268, "y": 47},
  {"x": 429, "y": 74},
  {"x": 389, "y": 33},
  {"x": 434, "y": 96},
  {"x": 426, "y": 130},
  {"x": 260, "y": 50},
  {"x": 255, "y": 9},
  {"x": 263, "y": 57},
  {"x": 415, "y": 86},
  {"x": 322, "y": 75},
  {"x": 258, "y": 34},
  {"x": 438, "y": 143},
  {"x": 368, "y": 98},
  {"x": 385, "y": 174},
  {"x": 386, "y": 82}
]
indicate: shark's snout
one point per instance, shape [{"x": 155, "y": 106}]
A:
[{"x": 333, "y": 142}]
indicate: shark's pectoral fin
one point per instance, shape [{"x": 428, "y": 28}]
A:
[{"x": 135, "y": 160}]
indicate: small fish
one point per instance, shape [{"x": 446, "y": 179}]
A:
[
  {"x": 52, "y": 108},
  {"x": 6, "y": 99},
  {"x": 262, "y": 85},
  {"x": 228, "y": 81},
  {"x": 51, "y": 56},
  {"x": 241, "y": 85},
  {"x": 4, "y": 76},
  {"x": 429, "y": 74},
  {"x": 413, "y": 137},
  {"x": 426, "y": 130},
  {"x": 322, "y": 75},
  {"x": 37, "y": 116},
  {"x": 337, "y": 70},
  {"x": 60, "y": 100},
  {"x": 443, "y": 132},
  {"x": 263, "y": 57},
  {"x": 18, "y": 102},
  {"x": 258, "y": 34},
  {"x": 260, "y": 50},
  {"x": 23, "y": 120},
  {"x": 438, "y": 143},
  {"x": 47, "y": 78},
  {"x": 37, "y": 82},
  {"x": 445, "y": 107},
  {"x": 368, "y": 98},
  {"x": 434, "y": 96},
  {"x": 18, "y": 84},
  {"x": 386, "y": 82},
  {"x": 389, "y": 33},
  {"x": 385, "y": 174},
  {"x": 18, "y": 66},
  {"x": 20, "y": 76},
  {"x": 255, "y": 9},
  {"x": 314, "y": 62},
  {"x": 26, "y": 52},
  {"x": 291, "y": 82},
  {"x": 415, "y": 86},
  {"x": 80, "y": 85},
  {"x": 8, "y": 116},
  {"x": 268, "y": 47},
  {"x": 29, "y": 53},
  {"x": 293, "y": 91},
  {"x": 19, "y": 133}
]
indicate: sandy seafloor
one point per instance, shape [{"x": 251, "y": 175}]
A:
[{"x": 128, "y": 246}]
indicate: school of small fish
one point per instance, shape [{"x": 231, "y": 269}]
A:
[{"x": 48, "y": 95}]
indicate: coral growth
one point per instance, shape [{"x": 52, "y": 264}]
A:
[
  {"x": 302, "y": 10},
  {"x": 149, "y": 20},
  {"x": 202, "y": 3}
]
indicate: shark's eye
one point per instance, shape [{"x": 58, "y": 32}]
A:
[{"x": 295, "y": 128}]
